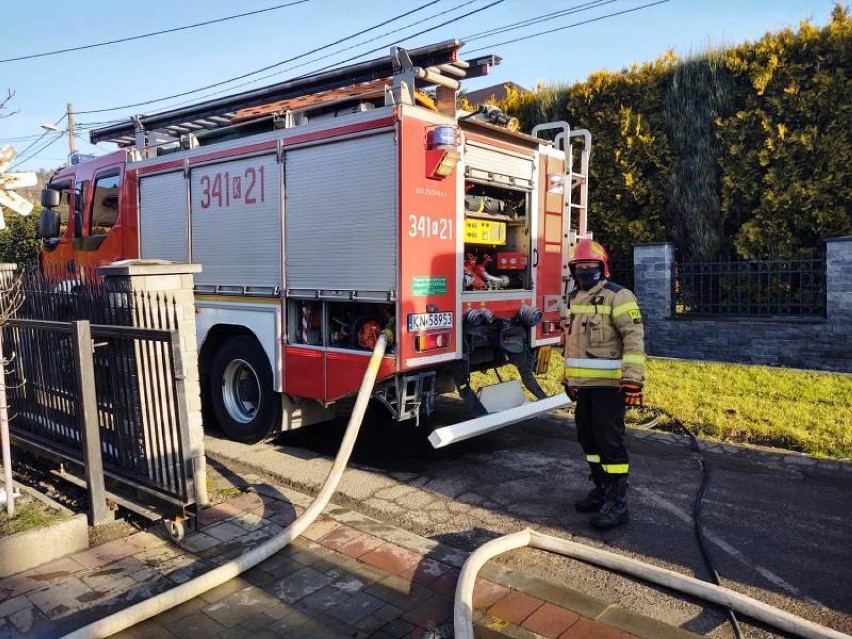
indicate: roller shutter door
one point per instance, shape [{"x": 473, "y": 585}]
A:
[
  {"x": 500, "y": 167},
  {"x": 163, "y": 220},
  {"x": 236, "y": 222},
  {"x": 341, "y": 215}
]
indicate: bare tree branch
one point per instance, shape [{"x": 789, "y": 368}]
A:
[
  {"x": 4, "y": 102},
  {"x": 11, "y": 295}
]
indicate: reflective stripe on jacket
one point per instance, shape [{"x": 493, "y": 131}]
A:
[{"x": 604, "y": 337}]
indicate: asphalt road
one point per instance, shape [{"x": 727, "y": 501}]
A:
[{"x": 781, "y": 535}]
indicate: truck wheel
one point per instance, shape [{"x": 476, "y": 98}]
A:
[{"x": 241, "y": 392}]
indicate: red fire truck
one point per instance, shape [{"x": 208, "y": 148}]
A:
[{"x": 327, "y": 208}]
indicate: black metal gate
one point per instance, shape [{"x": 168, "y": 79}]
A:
[{"x": 80, "y": 390}]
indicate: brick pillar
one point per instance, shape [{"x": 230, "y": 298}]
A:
[
  {"x": 838, "y": 265},
  {"x": 170, "y": 283},
  {"x": 652, "y": 266}
]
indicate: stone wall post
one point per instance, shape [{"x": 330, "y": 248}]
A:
[
  {"x": 172, "y": 283},
  {"x": 652, "y": 283},
  {"x": 838, "y": 264},
  {"x": 652, "y": 265}
]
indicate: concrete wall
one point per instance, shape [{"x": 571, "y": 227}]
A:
[
  {"x": 42, "y": 545},
  {"x": 824, "y": 344}
]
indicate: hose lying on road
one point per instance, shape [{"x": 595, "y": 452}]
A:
[
  {"x": 697, "y": 508},
  {"x": 463, "y": 612},
  {"x": 201, "y": 584},
  {"x": 699, "y": 526}
]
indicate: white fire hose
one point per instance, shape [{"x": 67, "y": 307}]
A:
[
  {"x": 169, "y": 599},
  {"x": 463, "y": 613}
]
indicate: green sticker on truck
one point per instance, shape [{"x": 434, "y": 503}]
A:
[{"x": 423, "y": 285}]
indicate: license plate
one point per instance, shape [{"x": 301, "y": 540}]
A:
[{"x": 429, "y": 321}]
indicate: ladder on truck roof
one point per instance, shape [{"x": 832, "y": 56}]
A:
[{"x": 434, "y": 65}]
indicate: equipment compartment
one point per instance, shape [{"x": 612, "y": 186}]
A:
[
  {"x": 497, "y": 243},
  {"x": 347, "y": 325}
]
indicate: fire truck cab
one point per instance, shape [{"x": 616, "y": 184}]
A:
[{"x": 326, "y": 209}]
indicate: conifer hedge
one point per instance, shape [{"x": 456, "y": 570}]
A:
[{"x": 746, "y": 149}]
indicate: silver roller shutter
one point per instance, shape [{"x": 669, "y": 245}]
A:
[
  {"x": 341, "y": 212},
  {"x": 163, "y": 219},
  {"x": 236, "y": 222},
  {"x": 498, "y": 166}
]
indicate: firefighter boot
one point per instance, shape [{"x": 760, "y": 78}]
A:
[
  {"x": 614, "y": 511},
  {"x": 595, "y": 499}
]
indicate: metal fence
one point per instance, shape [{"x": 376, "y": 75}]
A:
[
  {"x": 73, "y": 381},
  {"x": 621, "y": 270},
  {"x": 765, "y": 288}
]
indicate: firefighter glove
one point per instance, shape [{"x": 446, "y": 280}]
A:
[
  {"x": 571, "y": 392},
  {"x": 632, "y": 392}
]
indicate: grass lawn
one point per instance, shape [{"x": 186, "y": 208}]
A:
[
  {"x": 805, "y": 411},
  {"x": 28, "y": 514}
]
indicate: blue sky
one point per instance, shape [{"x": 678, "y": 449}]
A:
[{"x": 168, "y": 64}]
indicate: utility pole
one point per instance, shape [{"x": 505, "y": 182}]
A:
[{"x": 72, "y": 142}]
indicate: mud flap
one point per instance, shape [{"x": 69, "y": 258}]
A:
[{"x": 454, "y": 433}]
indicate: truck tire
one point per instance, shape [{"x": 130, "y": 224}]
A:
[{"x": 244, "y": 402}]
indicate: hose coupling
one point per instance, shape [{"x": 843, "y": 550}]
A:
[
  {"x": 529, "y": 315},
  {"x": 477, "y": 316}
]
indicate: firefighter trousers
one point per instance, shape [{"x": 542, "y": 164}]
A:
[{"x": 599, "y": 415}]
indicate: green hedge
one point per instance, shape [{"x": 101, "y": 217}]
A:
[
  {"x": 19, "y": 243},
  {"x": 744, "y": 149}
]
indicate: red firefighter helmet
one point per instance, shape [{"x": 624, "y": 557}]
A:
[{"x": 590, "y": 251}]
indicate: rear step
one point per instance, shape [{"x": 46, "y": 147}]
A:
[{"x": 454, "y": 433}]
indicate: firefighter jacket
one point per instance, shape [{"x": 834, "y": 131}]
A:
[{"x": 604, "y": 337}]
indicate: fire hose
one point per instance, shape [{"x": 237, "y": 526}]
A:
[
  {"x": 216, "y": 577},
  {"x": 463, "y": 611},
  {"x": 730, "y": 600}
]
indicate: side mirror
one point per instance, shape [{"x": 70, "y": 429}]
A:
[
  {"x": 50, "y": 198},
  {"x": 48, "y": 221}
]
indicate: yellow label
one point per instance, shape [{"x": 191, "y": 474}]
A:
[{"x": 484, "y": 232}]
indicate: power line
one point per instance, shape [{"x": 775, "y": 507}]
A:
[
  {"x": 328, "y": 55},
  {"x": 22, "y": 138},
  {"x": 40, "y": 138},
  {"x": 408, "y": 37},
  {"x": 569, "y": 26},
  {"x": 360, "y": 55},
  {"x": 382, "y": 35},
  {"x": 262, "y": 69},
  {"x": 536, "y": 19},
  {"x": 38, "y": 151},
  {"x": 154, "y": 33}
]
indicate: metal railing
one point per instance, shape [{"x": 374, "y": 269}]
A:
[
  {"x": 621, "y": 270},
  {"x": 775, "y": 288},
  {"x": 102, "y": 396}
]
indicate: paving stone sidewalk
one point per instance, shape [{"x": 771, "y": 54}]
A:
[{"x": 348, "y": 576}]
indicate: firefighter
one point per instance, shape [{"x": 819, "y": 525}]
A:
[{"x": 604, "y": 372}]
